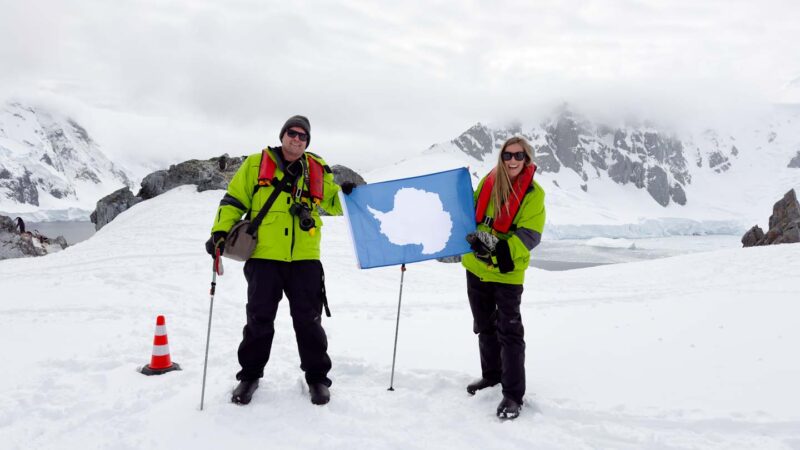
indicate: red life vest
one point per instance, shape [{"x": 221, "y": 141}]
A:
[
  {"x": 266, "y": 175},
  {"x": 503, "y": 216}
]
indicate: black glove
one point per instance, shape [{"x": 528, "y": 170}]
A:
[
  {"x": 216, "y": 241},
  {"x": 504, "y": 262},
  {"x": 347, "y": 187},
  {"x": 482, "y": 245}
]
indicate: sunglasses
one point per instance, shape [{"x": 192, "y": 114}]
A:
[
  {"x": 519, "y": 156},
  {"x": 296, "y": 134}
]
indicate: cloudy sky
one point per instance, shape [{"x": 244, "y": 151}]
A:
[{"x": 165, "y": 80}]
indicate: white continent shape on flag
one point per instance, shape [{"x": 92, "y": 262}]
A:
[{"x": 418, "y": 217}]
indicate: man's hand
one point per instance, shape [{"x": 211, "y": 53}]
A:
[
  {"x": 216, "y": 241},
  {"x": 482, "y": 245},
  {"x": 347, "y": 187}
]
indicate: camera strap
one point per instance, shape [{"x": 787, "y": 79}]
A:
[
  {"x": 276, "y": 191},
  {"x": 298, "y": 192}
]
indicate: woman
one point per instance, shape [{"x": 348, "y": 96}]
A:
[{"x": 496, "y": 269}]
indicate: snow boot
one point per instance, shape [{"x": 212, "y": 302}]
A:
[
  {"x": 244, "y": 392},
  {"x": 319, "y": 393},
  {"x": 477, "y": 385},
  {"x": 508, "y": 409}
]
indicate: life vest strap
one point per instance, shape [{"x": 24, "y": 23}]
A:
[
  {"x": 315, "y": 174},
  {"x": 503, "y": 223}
]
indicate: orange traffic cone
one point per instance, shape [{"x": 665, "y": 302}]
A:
[{"x": 161, "y": 361}]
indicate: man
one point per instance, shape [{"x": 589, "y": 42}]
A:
[{"x": 286, "y": 257}]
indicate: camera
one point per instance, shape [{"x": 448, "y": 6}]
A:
[{"x": 303, "y": 212}]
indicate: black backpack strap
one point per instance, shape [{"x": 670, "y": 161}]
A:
[{"x": 278, "y": 188}]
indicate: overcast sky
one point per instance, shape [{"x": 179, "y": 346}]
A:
[{"x": 168, "y": 80}]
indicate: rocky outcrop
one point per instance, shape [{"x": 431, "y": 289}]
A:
[
  {"x": 20, "y": 245},
  {"x": 784, "y": 224},
  {"x": 111, "y": 206},
  {"x": 342, "y": 174},
  {"x": 214, "y": 173}
]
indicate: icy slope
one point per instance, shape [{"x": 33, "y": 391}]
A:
[
  {"x": 695, "y": 351},
  {"x": 50, "y": 168}
]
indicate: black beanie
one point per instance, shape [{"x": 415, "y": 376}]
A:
[{"x": 297, "y": 121}]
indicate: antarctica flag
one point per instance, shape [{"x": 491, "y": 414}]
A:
[{"x": 411, "y": 219}]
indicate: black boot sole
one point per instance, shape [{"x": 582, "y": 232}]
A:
[{"x": 507, "y": 416}]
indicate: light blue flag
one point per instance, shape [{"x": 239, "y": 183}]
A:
[{"x": 412, "y": 219}]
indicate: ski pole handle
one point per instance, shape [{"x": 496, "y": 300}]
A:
[{"x": 218, "y": 270}]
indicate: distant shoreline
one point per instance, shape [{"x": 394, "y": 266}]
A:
[{"x": 73, "y": 231}]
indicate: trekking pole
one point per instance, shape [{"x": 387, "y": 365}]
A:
[
  {"x": 397, "y": 325},
  {"x": 216, "y": 268}
]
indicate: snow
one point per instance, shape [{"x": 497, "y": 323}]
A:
[
  {"x": 692, "y": 351},
  {"x": 59, "y": 156},
  {"x": 611, "y": 243}
]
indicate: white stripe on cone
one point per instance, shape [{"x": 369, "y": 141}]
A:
[{"x": 161, "y": 350}]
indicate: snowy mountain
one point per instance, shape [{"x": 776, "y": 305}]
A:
[
  {"x": 693, "y": 351},
  {"x": 712, "y": 180},
  {"x": 50, "y": 165}
]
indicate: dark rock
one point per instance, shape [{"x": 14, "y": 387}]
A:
[
  {"x": 718, "y": 162},
  {"x": 342, "y": 174},
  {"x": 80, "y": 131},
  {"x": 450, "y": 259},
  {"x": 677, "y": 194},
  {"x": 784, "y": 224},
  {"x": 476, "y": 142},
  {"x": 111, "y": 206},
  {"x": 564, "y": 138},
  {"x": 214, "y": 173},
  {"x": 22, "y": 189},
  {"x": 624, "y": 171},
  {"x": 545, "y": 158},
  {"x": 753, "y": 236},
  {"x": 7, "y": 224},
  {"x": 794, "y": 163},
  {"x": 658, "y": 185}
]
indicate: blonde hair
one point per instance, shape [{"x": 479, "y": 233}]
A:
[{"x": 502, "y": 183}]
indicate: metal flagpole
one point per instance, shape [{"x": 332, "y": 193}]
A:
[{"x": 397, "y": 325}]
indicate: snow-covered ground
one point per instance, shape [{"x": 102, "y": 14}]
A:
[{"x": 692, "y": 351}]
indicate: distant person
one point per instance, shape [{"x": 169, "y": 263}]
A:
[
  {"x": 21, "y": 225},
  {"x": 286, "y": 258},
  {"x": 510, "y": 215}
]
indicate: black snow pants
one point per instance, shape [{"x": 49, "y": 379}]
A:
[
  {"x": 302, "y": 281},
  {"x": 498, "y": 324}
]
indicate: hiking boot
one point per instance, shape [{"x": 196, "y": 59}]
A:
[
  {"x": 508, "y": 409},
  {"x": 243, "y": 393},
  {"x": 477, "y": 385},
  {"x": 319, "y": 393}
]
